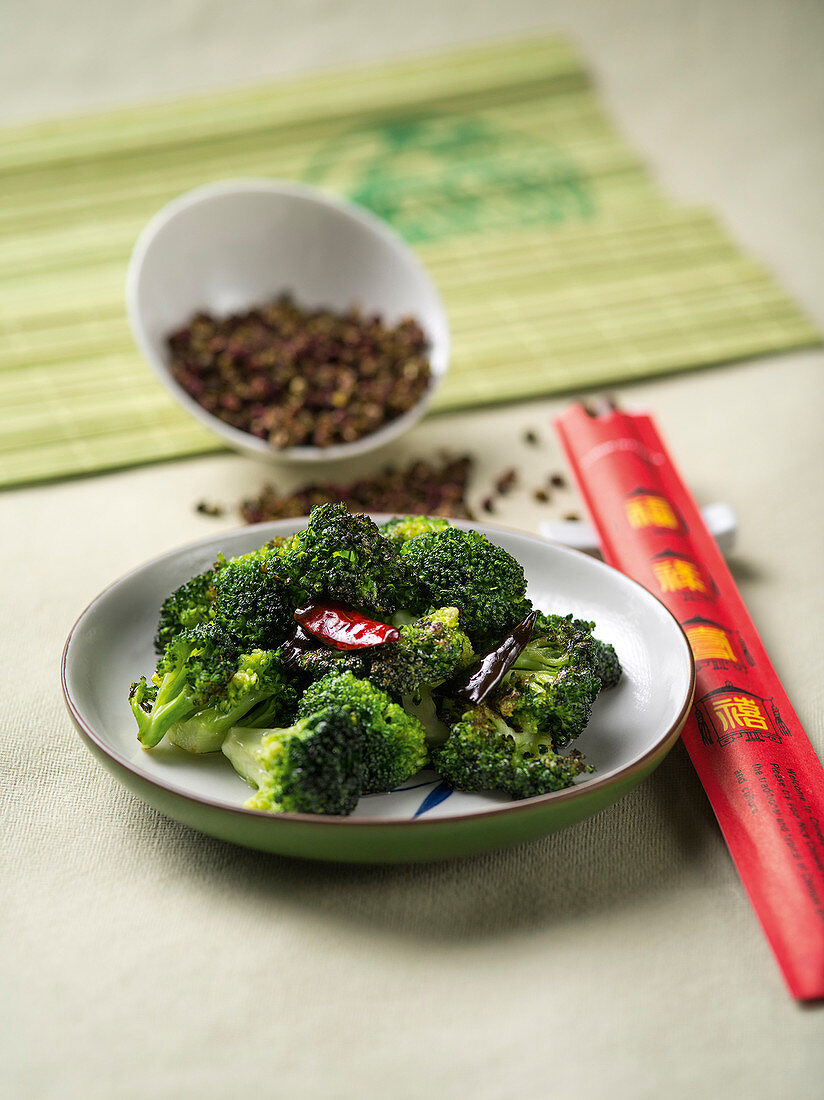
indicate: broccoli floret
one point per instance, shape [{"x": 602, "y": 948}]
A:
[
  {"x": 555, "y": 641},
  {"x": 429, "y": 651},
  {"x": 409, "y": 527},
  {"x": 556, "y": 637},
  {"x": 607, "y": 665},
  {"x": 553, "y": 705},
  {"x": 188, "y": 606},
  {"x": 252, "y": 600},
  {"x": 484, "y": 753},
  {"x": 192, "y": 673},
  {"x": 312, "y": 767},
  {"x": 259, "y": 680},
  {"x": 553, "y": 683},
  {"x": 346, "y": 558},
  {"x": 256, "y": 617},
  {"x": 201, "y": 672},
  {"x": 281, "y": 543},
  {"x": 394, "y": 741},
  {"x": 317, "y": 663},
  {"x": 463, "y": 569}
]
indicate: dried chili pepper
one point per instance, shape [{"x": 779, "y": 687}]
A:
[
  {"x": 484, "y": 675},
  {"x": 299, "y": 641},
  {"x": 343, "y": 627}
]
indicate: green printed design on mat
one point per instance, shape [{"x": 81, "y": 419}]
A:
[
  {"x": 561, "y": 263},
  {"x": 431, "y": 178}
]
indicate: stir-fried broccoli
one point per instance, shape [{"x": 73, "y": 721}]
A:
[
  {"x": 314, "y": 729},
  {"x": 607, "y": 665},
  {"x": 552, "y": 705},
  {"x": 314, "y": 664},
  {"x": 484, "y": 753},
  {"x": 192, "y": 673},
  {"x": 553, "y": 683},
  {"x": 259, "y": 684},
  {"x": 409, "y": 527},
  {"x": 394, "y": 741},
  {"x": 252, "y": 600},
  {"x": 556, "y": 639},
  {"x": 429, "y": 651},
  {"x": 281, "y": 543},
  {"x": 346, "y": 558},
  {"x": 463, "y": 569},
  {"x": 201, "y": 672},
  {"x": 249, "y": 591},
  {"x": 188, "y": 606},
  {"x": 312, "y": 767},
  {"x": 556, "y": 679}
]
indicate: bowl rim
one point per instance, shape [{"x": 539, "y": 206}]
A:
[
  {"x": 234, "y": 437},
  {"x": 660, "y": 748}
]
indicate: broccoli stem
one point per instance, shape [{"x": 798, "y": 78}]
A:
[
  {"x": 240, "y": 747},
  {"x": 534, "y": 659},
  {"x": 205, "y": 730},
  {"x": 171, "y": 705},
  {"x": 422, "y": 707}
]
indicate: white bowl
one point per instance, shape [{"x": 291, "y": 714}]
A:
[{"x": 229, "y": 246}]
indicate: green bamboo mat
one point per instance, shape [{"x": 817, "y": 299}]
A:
[{"x": 561, "y": 263}]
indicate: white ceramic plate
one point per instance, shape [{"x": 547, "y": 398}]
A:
[{"x": 632, "y": 726}]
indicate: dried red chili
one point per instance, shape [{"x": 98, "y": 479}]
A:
[
  {"x": 342, "y": 627},
  {"x": 483, "y": 677}
]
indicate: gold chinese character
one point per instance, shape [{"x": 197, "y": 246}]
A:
[
  {"x": 739, "y": 712},
  {"x": 710, "y": 643},
  {"x": 675, "y": 574},
  {"x": 650, "y": 511}
]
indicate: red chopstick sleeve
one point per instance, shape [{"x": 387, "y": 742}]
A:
[{"x": 756, "y": 764}]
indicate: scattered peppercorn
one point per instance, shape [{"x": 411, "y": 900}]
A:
[
  {"x": 297, "y": 377},
  {"x": 420, "y": 488},
  {"x": 541, "y": 495},
  {"x": 488, "y": 504},
  {"x": 207, "y": 509},
  {"x": 506, "y": 481},
  {"x": 557, "y": 481},
  {"x": 572, "y": 517},
  {"x": 531, "y": 438}
]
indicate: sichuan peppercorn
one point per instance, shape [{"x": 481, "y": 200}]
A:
[{"x": 297, "y": 377}]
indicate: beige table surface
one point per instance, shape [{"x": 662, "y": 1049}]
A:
[{"x": 619, "y": 958}]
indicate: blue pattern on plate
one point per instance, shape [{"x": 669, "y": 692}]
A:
[{"x": 436, "y": 796}]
